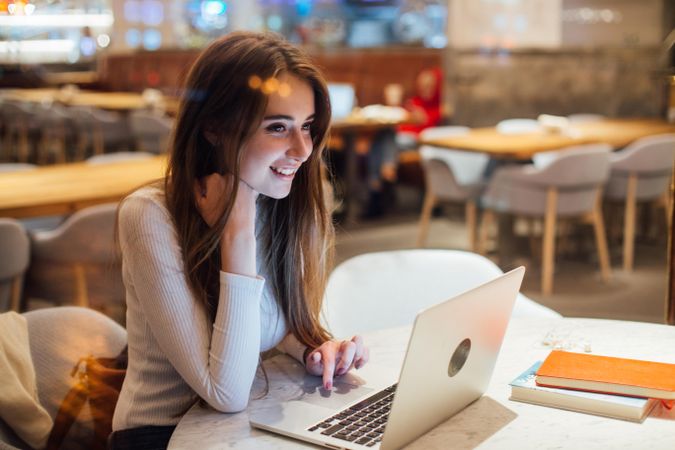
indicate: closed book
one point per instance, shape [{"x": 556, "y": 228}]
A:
[
  {"x": 608, "y": 374},
  {"x": 524, "y": 389}
]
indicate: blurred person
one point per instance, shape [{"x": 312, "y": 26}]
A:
[
  {"x": 425, "y": 111},
  {"x": 230, "y": 255}
]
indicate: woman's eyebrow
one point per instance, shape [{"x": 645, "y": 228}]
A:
[{"x": 285, "y": 117}]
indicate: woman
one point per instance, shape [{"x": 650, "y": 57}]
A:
[{"x": 230, "y": 256}]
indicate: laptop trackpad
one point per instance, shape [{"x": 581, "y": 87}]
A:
[{"x": 346, "y": 389}]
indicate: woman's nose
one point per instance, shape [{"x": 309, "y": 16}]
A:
[{"x": 301, "y": 145}]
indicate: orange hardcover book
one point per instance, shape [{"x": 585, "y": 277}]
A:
[{"x": 608, "y": 375}]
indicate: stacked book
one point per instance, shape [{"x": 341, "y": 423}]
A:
[{"x": 613, "y": 387}]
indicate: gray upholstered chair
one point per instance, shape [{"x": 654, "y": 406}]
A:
[
  {"x": 108, "y": 158},
  {"x": 151, "y": 131},
  {"x": 570, "y": 186},
  {"x": 99, "y": 131},
  {"x": 56, "y": 131},
  {"x": 59, "y": 337},
  {"x": 406, "y": 281},
  {"x": 14, "y": 259},
  {"x": 640, "y": 173},
  {"x": 86, "y": 237},
  {"x": 19, "y": 127},
  {"x": 450, "y": 176}
]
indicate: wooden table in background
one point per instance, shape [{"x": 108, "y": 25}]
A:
[
  {"x": 65, "y": 188},
  {"x": 112, "y": 101},
  {"x": 616, "y": 132}
]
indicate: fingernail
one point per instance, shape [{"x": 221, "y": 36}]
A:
[
  {"x": 329, "y": 386},
  {"x": 341, "y": 371},
  {"x": 358, "y": 365}
]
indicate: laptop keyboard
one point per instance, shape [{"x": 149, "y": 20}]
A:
[{"x": 362, "y": 423}]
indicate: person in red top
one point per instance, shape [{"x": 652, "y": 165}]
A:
[{"x": 425, "y": 112}]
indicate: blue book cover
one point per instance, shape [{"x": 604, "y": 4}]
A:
[{"x": 524, "y": 388}]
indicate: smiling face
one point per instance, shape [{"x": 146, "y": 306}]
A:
[{"x": 283, "y": 141}]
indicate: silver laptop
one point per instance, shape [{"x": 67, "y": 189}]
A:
[{"x": 448, "y": 364}]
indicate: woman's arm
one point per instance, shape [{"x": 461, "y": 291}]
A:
[{"x": 218, "y": 365}]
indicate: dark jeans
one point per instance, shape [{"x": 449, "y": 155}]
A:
[{"x": 141, "y": 438}]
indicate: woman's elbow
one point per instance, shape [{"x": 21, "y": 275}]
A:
[{"x": 230, "y": 405}]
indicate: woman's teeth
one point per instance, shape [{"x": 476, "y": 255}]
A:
[{"x": 286, "y": 172}]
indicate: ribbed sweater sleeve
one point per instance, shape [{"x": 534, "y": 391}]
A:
[{"x": 218, "y": 362}]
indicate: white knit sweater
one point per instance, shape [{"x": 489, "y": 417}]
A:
[{"x": 175, "y": 353}]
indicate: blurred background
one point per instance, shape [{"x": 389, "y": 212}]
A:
[{"x": 89, "y": 85}]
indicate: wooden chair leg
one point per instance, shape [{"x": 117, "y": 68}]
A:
[
  {"x": 81, "y": 296},
  {"x": 425, "y": 218},
  {"x": 24, "y": 150},
  {"x": 470, "y": 212},
  {"x": 98, "y": 142},
  {"x": 15, "y": 294},
  {"x": 548, "y": 251},
  {"x": 486, "y": 221},
  {"x": 601, "y": 240},
  {"x": 629, "y": 224}
]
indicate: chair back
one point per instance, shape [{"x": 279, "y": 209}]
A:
[
  {"x": 577, "y": 176},
  {"x": 387, "y": 289},
  {"x": 647, "y": 156},
  {"x": 150, "y": 131},
  {"x": 451, "y": 174},
  {"x": 518, "y": 126},
  {"x": 85, "y": 237},
  {"x": 577, "y": 167},
  {"x": 14, "y": 259},
  {"x": 650, "y": 159}
]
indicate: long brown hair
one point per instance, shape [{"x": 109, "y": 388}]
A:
[{"x": 222, "y": 96}]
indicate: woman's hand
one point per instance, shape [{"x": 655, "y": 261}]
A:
[
  {"x": 238, "y": 238},
  {"x": 334, "y": 358}
]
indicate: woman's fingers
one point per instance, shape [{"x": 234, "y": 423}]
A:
[
  {"x": 328, "y": 358},
  {"x": 335, "y": 358},
  {"x": 347, "y": 352}
]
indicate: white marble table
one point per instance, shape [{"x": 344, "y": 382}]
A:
[{"x": 492, "y": 422}]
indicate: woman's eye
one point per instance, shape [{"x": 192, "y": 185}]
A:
[
  {"x": 276, "y": 128},
  {"x": 307, "y": 126}
]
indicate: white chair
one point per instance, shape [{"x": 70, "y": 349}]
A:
[
  {"x": 86, "y": 237},
  {"x": 151, "y": 131},
  {"x": 387, "y": 289},
  {"x": 640, "y": 173},
  {"x": 14, "y": 259},
  {"x": 570, "y": 186},
  {"x": 450, "y": 175},
  {"x": 519, "y": 126}
]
